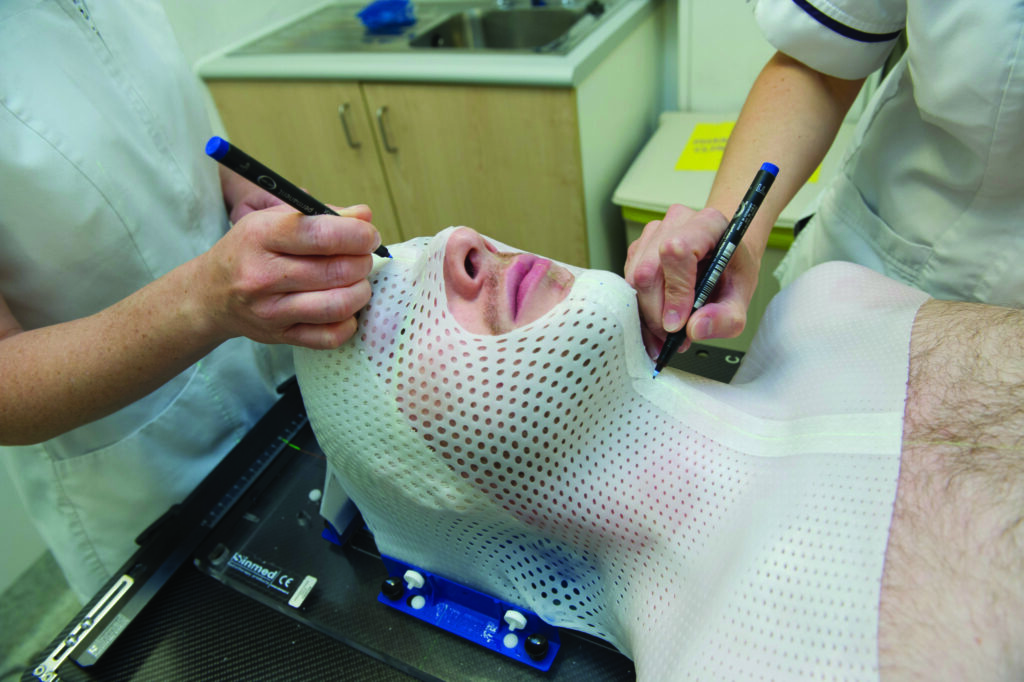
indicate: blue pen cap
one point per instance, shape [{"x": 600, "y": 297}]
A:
[
  {"x": 769, "y": 167},
  {"x": 217, "y": 147}
]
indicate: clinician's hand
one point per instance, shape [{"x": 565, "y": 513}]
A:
[
  {"x": 663, "y": 265},
  {"x": 281, "y": 277}
]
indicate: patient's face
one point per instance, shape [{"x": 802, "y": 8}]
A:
[
  {"x": 481, "y": 359},
  {"x": 493, "y": 292},
  {"x": 464, "y": 335},
  {"x": 469, "y": 398}
]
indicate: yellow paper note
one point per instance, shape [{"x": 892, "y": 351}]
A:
[{"x": 703, "y": 151}]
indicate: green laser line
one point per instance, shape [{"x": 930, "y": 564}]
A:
[{"x": 296, "y": 447}]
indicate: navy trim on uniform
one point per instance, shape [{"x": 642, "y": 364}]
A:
[{"x": 843, "y": 29}]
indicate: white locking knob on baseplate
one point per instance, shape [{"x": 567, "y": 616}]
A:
[
  {"x": 515, "y": 620},
  {"x": 413, "y": 579}
]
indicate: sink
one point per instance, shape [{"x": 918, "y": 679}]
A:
[
  {"x": 468, "y": 26},
  {"x": 499, "y": 29}
]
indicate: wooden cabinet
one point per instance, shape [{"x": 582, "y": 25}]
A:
[{"x": 503, "y": 160}]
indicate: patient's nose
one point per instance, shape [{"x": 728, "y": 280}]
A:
[{"x": 467, "y": 257}]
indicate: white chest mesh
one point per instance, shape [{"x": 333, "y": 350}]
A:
[{"x": 707, "y": 531}]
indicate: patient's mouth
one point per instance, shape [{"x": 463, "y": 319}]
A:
[{"x": 522, "y": 279}]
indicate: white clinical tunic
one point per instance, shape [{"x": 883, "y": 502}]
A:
[
  {"x": 931, "y": 190},
  {"x": 106, "y": 188}
]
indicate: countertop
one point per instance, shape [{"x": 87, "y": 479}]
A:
[{"x": 270, "y": 54}]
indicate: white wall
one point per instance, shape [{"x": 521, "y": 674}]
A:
[
  {"x": 203, "y": 26},
  {"x": 721, "y": 52}
]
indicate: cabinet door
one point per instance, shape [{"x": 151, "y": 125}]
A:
[
  {"x": 299, "y": 130},
  {"x": 503, "y": 160}
]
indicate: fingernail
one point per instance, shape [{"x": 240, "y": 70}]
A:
[
  {"x": 673, "y": 321},
  {"x": 704, "y": 329}
]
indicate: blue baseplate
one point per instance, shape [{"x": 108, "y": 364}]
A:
[{"x": 473, "y": 615}]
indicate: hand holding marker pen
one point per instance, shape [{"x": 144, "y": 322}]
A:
[
  {"x": 723, "y": 252},
  {"x": 249, "y": 168}
]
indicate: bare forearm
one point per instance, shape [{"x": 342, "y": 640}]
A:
[
  {"x": 275, "y": 277},
  {"x": 60, "y": 377},
  {"x": 790, "y": 118}
]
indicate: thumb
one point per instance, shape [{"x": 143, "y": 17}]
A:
[{"x": 723, "y": 319}]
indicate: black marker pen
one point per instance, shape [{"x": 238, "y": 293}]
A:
[
  {"x": 249, "y": 168},
  {"x": 723, "y": 252}
]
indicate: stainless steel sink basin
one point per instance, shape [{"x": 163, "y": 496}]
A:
[
  {"x": 499, "y": 29},
  {"x": 469, "y": 26}
]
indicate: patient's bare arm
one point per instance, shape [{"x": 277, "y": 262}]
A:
[{"x": 953, "y": 588}]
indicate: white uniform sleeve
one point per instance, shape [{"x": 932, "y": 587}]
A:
[{"x": 842, "y": 38}]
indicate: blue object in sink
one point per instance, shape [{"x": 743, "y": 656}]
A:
[{"x": 387, "y": 16}]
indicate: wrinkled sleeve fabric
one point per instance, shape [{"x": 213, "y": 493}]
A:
[{"x": 845, "y": 39}]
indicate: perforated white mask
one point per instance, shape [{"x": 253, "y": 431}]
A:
[{"x": 708, "y": 531}]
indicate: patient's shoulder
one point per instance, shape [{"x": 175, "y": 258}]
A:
[{"x": 951, "y": 594}]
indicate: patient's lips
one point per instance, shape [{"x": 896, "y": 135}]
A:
[{"x": 522, "y": 277}]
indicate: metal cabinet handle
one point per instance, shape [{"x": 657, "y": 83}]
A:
[
  {"x": 381, "y": 112},
  {"x": 343, "y": 115}
]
